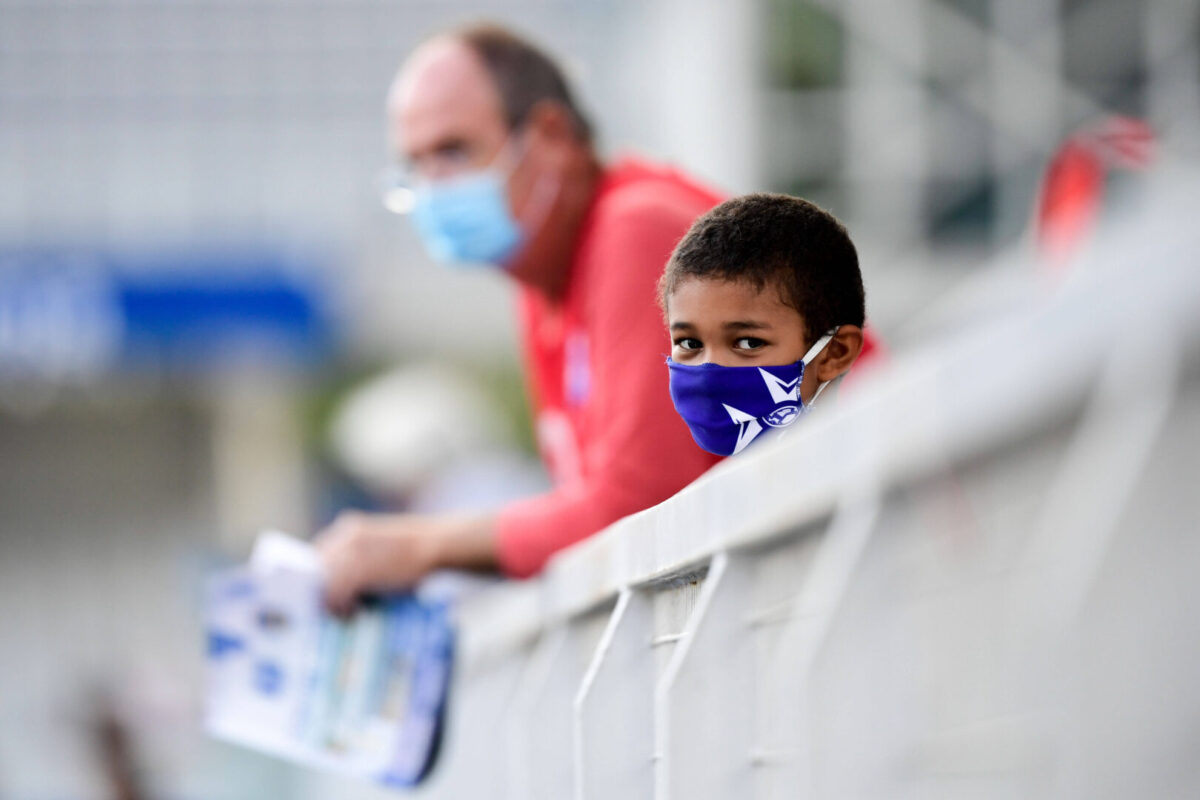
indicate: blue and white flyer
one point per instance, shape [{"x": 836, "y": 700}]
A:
[{"x": 363, "y": 696}]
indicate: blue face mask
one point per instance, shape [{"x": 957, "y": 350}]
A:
[
  {"x": 726, "y": 408},
  {"x": 467, "y": 219}
]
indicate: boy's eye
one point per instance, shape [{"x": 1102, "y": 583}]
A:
[
  {"x": 688, "y": 343},
  {"x": 749, "y": 343}
]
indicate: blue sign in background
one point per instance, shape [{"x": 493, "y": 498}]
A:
[{"x": 71, "y": 313}]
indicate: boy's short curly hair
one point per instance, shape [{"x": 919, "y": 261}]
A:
[{"x": 775, "y": 240}]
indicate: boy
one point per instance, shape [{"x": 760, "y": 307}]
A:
[{"x": 764, "y": 303}]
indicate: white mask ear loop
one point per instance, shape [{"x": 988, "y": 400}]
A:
[
  {"x": 812, "y": 353},
  {"x": 541, "y": 200},
  {"x": 537, "y": 209}
]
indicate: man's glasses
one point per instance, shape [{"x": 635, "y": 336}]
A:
[
  {"x": 398, "y": 183},
  {"x": 397, "y": 189}
]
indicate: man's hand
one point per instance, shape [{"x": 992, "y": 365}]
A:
[{"x": 388, "y": 552}]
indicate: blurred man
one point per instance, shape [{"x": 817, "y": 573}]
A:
[{"x": 502, "y": 171}]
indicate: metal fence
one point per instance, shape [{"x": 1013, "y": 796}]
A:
[{"x": 973, "y": 577}]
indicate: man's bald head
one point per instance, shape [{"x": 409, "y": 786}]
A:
[
  {"x": 521, "y": 75},
  {"x": 444, "y": 97}
]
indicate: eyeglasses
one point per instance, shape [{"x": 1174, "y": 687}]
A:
[
  {"x": 397, "y": 189},
  {"x": 398, "y": 183}
]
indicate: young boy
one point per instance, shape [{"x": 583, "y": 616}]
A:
[{"x": 764, "y": 303}]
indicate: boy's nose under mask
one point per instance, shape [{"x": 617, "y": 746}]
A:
[{"x": 726, "y": 408}]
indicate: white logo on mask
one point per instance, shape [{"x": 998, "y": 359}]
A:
[
  {"x": 781, "y": 390},
  {"x": 748, "y": 427},
  {"x": 782, "y": 416}
]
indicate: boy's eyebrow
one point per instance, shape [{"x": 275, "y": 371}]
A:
[{"x": 736, "y": 325}]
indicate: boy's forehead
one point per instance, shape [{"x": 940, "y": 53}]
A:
[{"x": 707, "y": 297}]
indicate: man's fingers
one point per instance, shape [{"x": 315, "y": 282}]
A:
[
  {"x": 362, "y": 552},
  {"x": 341, "y": 592},
  {"x": 336, "y": 549},
  {"x": 339, "y": 604}
]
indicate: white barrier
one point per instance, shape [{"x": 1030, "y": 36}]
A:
[{"x": 974, "y": 578}]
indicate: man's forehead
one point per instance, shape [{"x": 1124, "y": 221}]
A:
[{"x": 442, "y": 88}]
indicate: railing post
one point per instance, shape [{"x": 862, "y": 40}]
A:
[
  {"x": 704, "y": 703},
  {"x": 614, "y": 709}
]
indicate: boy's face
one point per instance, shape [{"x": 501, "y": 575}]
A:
[{"x": 733, "y": 324}]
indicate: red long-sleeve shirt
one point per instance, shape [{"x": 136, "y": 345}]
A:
[{"x": 605, "y": 424}]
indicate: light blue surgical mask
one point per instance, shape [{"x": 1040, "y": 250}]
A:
[{"x": 466, "y": 219}]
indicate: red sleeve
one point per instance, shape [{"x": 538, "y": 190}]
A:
[{"x": 638, "y": 452}]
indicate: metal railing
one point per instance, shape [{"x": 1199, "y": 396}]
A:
[{"x": 974, "y": 577}]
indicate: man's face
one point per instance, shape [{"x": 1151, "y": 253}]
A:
[
  {"x": 444, "y": 113},
  {"x": 446, "y": 119}
]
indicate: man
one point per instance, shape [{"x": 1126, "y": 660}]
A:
[{"x": 504, "y": 171}]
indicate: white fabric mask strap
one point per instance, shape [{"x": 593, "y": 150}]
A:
[
  {"x": 817, "y": 393},
  {"x": 818, "y": 346},
  {"x": 538, "y": 207},
  {"x": 812, "y": 353},
  {"x": 545, "y": 192}
]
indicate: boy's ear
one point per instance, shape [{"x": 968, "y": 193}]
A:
[{"x": 840, "y": 353}]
